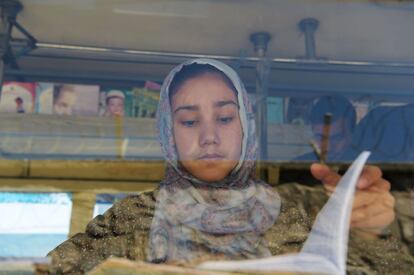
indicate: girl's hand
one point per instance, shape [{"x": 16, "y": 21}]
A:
[{"x": 373, "y": 208}]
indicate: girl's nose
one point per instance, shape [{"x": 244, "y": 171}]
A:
[{"x": 209, "y": 134}]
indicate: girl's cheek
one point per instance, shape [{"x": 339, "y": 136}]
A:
[
  {"x": 233, "y": 131},
  {"x": 185, "y": 142}
]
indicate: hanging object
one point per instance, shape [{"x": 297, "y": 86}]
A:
[{"x": 309, "y": 26}]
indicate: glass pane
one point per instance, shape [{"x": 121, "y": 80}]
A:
[{"x": 326, "y": 80}]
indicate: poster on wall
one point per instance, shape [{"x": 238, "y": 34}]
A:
[{"x": 17, "y": 97}]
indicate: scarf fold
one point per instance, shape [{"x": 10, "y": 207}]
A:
[{"x": 228, "y": 218}]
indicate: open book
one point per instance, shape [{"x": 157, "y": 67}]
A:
[{"x": 325, "y": 250}]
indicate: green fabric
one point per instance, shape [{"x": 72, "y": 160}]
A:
[{"x": 123, "y": 232}]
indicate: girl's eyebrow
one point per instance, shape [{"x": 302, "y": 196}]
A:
[
  {"x": 187, "y": 107},
  {"x": 225, "y": 102},
  {"x": 196, "y": 108}
]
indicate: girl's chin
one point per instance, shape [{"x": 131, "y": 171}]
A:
[
  {"x": 210, "y": 177},
  {"x": 211, "y": 170}
]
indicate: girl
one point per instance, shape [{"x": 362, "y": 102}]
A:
[{"x": 210, "y": 205}]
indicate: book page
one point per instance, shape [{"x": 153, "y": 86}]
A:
[{"x": 325, "y": 250}]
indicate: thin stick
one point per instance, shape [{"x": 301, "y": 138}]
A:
[{"x": 316, "y": 149}]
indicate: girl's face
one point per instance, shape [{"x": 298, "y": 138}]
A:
[{"x": 207, "y": 127}]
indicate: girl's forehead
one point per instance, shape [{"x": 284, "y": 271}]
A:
[
  {"x": 203, "y": 89},
  {"x": 203, "y": 92}
]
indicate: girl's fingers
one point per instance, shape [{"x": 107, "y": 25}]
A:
[
  {"x": 325, "y": 174},
  {"x": 366, "y": 197},
  {"x": 365, "y": 213},
  {"x": 369, "y": 175},
  {"x": 377, "y": 222}
]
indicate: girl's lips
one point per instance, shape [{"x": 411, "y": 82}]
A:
[{"x": 211, "y": 157}]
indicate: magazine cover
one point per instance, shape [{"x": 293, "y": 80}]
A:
[
  {"x": 146, "y": 99},
  {"x": 17, "y": 97},
  {"x": 72, "y": 99},
  {"x": 116, "y": 102},
  {"x": 44, "y": 98}
]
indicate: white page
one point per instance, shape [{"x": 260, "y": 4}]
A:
[{"x": 325, "y": 250}]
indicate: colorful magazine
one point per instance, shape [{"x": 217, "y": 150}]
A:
[
  {"x": 116, "y": 102},
  {"x": 146, "y": 100},
  {"x": 71, "y": 99},
  {"x": 17, "y": 97}
]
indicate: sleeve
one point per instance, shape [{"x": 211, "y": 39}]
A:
[
  {"x": 300, "y": 204},
  {"x": 122, "y": 231},
  {"x": 385, "y": 255}
]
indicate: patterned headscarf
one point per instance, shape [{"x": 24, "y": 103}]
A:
[{"x": 195, "y": 218}]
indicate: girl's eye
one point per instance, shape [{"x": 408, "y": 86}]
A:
[
  {"x": 225, "y": 120},
  {"x": 189, "y": 123}
]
